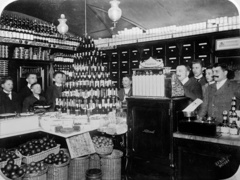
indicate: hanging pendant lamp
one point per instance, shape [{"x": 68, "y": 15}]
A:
[
  {"x": 62, "y": 27},
  {"x": 114, "y": 13}
]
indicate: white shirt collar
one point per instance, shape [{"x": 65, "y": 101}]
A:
[
  {"x": 199, "y": 77},
  {"x": 58, "y": 84},
  {"x": 36, "y": 96},
  {"x": 212, "y": 82},
  {"x": 7, "y": 91},
  {"x": 29, "y": 86},
  {"x": 221, "y": 83},
  {"x": 184, "y": 81}
]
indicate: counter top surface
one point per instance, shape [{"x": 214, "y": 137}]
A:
[{"x": 221, "y": 139}]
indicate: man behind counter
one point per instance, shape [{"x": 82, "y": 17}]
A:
[
  {"x": 220, "y": 94},
  {"x": 197, "y": 69},
  {"x": 8, "y": 99},
  {"x": 26, "y": 91},
  {"x": 35, "y": 97},
  {"x": 192, "y": 89},
  {"x": 54, "y": 91}
]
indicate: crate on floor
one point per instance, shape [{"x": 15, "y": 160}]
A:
[
  {"x": 111, "y": 165},
  {"x": 78, "y": 167}
]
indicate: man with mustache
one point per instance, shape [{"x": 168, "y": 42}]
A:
[
  {"x": 197, "y": 69},
  {"x": 219, "y": 94},
  {"x": 192, "y": 89}
]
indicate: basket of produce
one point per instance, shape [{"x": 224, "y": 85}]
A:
[
  {"x": 11, "y": 171},
  {"x": 9, "y": 154},
  {"x": 102, "y": 145},
  {"x": 35, "y": 171},
  {"x": 38, "y": 149},
  {"x": 58, "y": 165}
]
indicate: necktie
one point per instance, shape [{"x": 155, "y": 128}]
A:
[{"x": 197, "y": 79}]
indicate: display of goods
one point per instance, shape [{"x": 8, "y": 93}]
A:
[
  {"x": 103, "y": 145},
  {"x": 38, "y": 149},
  {"x": 34, "y": 168},
  {"x": 58, "y": 165},
  {"x": 5, "y": 155},
  {"x": 57, "y": 159},
  {"x": 11, "y": 170}
]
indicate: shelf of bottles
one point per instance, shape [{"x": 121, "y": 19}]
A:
[
  {"x": 230, "y": 124},
  {"x": 88, "y": 85},
  {"x": 18, "y": 30}
]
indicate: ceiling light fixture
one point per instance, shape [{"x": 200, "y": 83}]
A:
[
  {"x": 114, "y": 13},
  {"x": 62, "y": 27}
]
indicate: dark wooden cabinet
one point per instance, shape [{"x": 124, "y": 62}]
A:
[
  {"x": 199, "y": 160},
  {"x": 173, "y": 51},
  {"x": 149, "y": 134}
]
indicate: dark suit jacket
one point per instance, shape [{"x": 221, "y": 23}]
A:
[
  {"x": 193, "y": 89},
  {"x": 202, "y": 80},
  {"x": 7, "y": 105},
  {"x": 121, "y": 93},
  {"x": 51, "y": 94},
  {"x": 216, "y": 101},
  {"x": 30, "y": 100},
  {"x": 23, "y": 93}
]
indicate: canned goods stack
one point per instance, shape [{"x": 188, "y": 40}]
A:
[
  {"x": 3, "y": 68},
  {"x": 3, "y": 51},
  {"x": 31, "y": 53}
]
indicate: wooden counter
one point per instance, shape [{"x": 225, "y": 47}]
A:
[
  {"x": 201, "y": 158},
  {"x": 219, "y": 139}
]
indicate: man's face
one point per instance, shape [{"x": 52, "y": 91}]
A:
[
  {"x": 36, "y": 89},
  {"x": 197, "y": 69},
  {"x": 8, "y": 86},
  {"x": 209, "y": 75},
  {"x": 182, "y": 72},
  {"x": 58, "y": 78},
  {"x": 32, "y": 78},
  {"x": 126, "y": 82},
  {"x": 219, "y": 74}
]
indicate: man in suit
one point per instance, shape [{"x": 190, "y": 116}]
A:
[
  {"x": 219, "y": 95},
  {"x": 197, "y": 69},
  {"x": 126, "y": 91},
  {"x": 192, "y": 89},
  {"x": 54, "y": 91},
  {"x": 26, "y": 91},
  {"x": 8, "y": 99},
  {"x": 29, "y": 101}
]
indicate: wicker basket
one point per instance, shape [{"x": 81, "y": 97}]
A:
[
  {"x": 78, "y": 168},
  {"x": 94, "y": 161},
  {"x": 40, "y": 156},
  {"x": 3, "y": 177},
  {"x": 111, "y": 165},
  {"x": 58, "y": 172},
  {"x": 17, "y": 161},
  {"x": 38, "y": 176},
  {"x": 103, "y": 150}
]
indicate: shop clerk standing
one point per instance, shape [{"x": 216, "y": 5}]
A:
[
  {"x": 8, "y": 99},
  {"x": 126, "y": 91}
]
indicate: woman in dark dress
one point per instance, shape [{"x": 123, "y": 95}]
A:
[{"x": 9, "y": 102}]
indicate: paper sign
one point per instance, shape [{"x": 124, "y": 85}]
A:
[
  {"x": 191, "y": 107},
  {"x": 80, "y": 145}
]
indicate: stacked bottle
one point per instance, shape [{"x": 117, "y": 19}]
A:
[
  {"x": 88, "y": 85},
  {"x": 15, "y": 27}
]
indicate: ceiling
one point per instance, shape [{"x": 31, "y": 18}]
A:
[{"x": 145, "y": 14}]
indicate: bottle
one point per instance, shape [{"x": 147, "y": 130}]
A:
[
  {"x": 233, "y": 128},
  {"x": 225, "y": 127}
]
